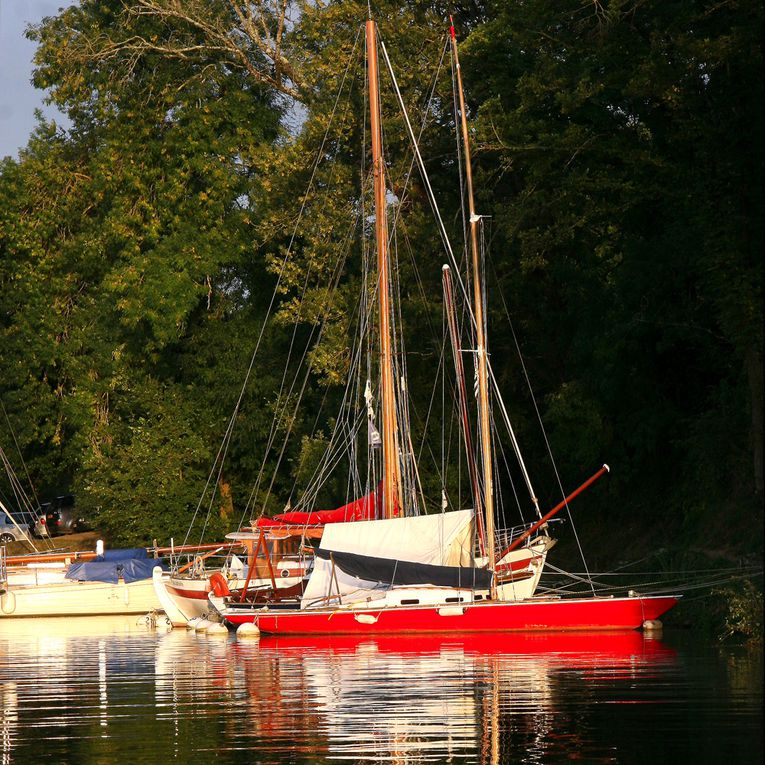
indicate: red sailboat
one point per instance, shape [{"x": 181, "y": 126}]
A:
[{"x": 403, "y": 575}]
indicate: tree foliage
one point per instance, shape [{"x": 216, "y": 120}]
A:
[
  {"x": 624, "y": 142},
  {"x": 211, "y": 164}
]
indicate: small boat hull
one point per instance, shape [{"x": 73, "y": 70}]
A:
[
  {"x": 79, "y": 599},
  {"x": 186, "y": 598},
  {"x": 563, "y": 614}
]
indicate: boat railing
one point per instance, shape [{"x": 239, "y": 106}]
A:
[
  {"x": 233, "y": 564},
  {"x": 191, "y": 565},
  {"x": 505, "y": 537},
  {"x": 3, "y": 574}
]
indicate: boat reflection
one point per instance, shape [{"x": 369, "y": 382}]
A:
[
  {"x": 490, "y": 699},
  {"x": 422, "y": 698},
  {"x": 182, "y": 695},
  {"x": 57, "y": 677}
]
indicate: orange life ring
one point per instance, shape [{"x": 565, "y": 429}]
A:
[{"x": 219, "y": 584}]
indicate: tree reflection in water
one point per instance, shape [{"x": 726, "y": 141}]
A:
[{"x": 94, "y": 691}]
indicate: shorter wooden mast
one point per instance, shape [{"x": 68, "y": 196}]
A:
[
  {"x": 483, "y": 375},
  {"x": 391, "y": 469},
  {"x": 459, "y": 371}
]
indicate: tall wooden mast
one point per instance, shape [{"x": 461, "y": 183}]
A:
[
  {"x": 483, "y": 384},
  {"x": 391, "y": 469}
]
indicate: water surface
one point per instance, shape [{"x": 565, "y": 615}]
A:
[{"x": 108, "y": 690}]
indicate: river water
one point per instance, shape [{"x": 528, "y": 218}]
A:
[{"x": 112, "y": 690}]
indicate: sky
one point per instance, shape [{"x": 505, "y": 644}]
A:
[{"x": 18, "y": 98}]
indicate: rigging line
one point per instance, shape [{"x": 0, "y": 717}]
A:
[
  {"x": 345, "y": 405},
  {"x": 337, "y": 444},
  {"x": 21, "y": 456},
  {"x": 22, "y": 500},
  {"x": 223, "y": 450},
  {"x": 508, "y": 473},
  {"x": 586, "y": 579},
  {"x": 281, "y": 405},
  {"x": 426, "y": 181},
  {"x": 420, "y": 285},
  {"x": 460, "y": 168},
  {"x": 513, "y": 440},
  {"x": 302, "y": 301},
  {"x": 692, "y": 586},
  {"x": 282, "y": 401},
  {"x": 539, "y": 416},
  {"x": 441, "y": 365},
  {"x": 336, "y": 457},
  {"x": 428, "y": 187},
  {"x": 411, "y": 464},
  {"x": 658, "y": 585},
  {"x": 399, "y": 359},
  {"x": 309, "y": 369},
  {"x": 423, "y": 124},
  {"x": 692, "y": 577},
  {"x": 441, "y": 373},
  {"x": 317, "y": 160},
  {"x": 680, "y": 574}
]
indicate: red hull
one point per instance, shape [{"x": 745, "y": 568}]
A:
[
  {"x": 593, "y": 647},
  {"x": 521, "y": 616},
  {"x": 183, "y": 592}
]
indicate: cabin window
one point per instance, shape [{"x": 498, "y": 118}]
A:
[
  {"x": 410, "y": 601},
  {"x": 455, "y": 600}
]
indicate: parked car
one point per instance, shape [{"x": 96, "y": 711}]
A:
[
  {"x": 14, "y": 532},
  {"x": 35, "y": 521},
  {"x": 60, "y": 516}
]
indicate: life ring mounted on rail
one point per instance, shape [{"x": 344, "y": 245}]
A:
[{"x": 219, "y": 585}]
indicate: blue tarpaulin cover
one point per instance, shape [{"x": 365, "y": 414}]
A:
[
  {"x": 130, "y": 565},
  {"x": 131, "y": 553}
]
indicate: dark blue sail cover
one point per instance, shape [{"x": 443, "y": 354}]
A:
[
  {"x": 130, "y": 553},
  {"x": 129, "y": 565},
  {"x": 389, "y": 571}
]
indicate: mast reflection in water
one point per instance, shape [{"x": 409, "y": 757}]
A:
[{"x": 101, "y": 690}]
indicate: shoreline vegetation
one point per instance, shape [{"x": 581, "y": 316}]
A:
[{"x": 618, "y": 161}]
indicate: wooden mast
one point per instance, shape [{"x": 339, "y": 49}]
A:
[
  {"x": 391, "y": 470},
  {"x": 459, "y": 372},
  {"x": 483, "y": 385}
]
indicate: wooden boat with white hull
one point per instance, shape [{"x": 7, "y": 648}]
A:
[
  {"x": 84, "y": 582},
  {"x": 273, "y": 562}
]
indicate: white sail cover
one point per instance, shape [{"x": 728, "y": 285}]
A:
[{"x": 439, "y": 540}]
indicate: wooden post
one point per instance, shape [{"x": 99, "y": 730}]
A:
[{"x": 251, "y": 567}]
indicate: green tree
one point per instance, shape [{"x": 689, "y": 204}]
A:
[
  {"x": 622, "y": 146},
  {"x": 123, "y": 242}
]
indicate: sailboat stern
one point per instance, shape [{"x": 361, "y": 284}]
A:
[{"x": 519, "y": 571}]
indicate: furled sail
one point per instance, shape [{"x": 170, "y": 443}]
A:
[
  {"x": 364, "y": 508},
  {"x": 391, "y": 571},
  {"x": 433, "y": 540}
]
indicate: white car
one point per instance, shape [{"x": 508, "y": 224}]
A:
[{"x": 14, "y": 532}]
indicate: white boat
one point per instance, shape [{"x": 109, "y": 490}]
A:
[
  {"x": 273, "y": 562},
  {"x": 79, "y": 599},
  {"x": 118, "y": 582}
]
